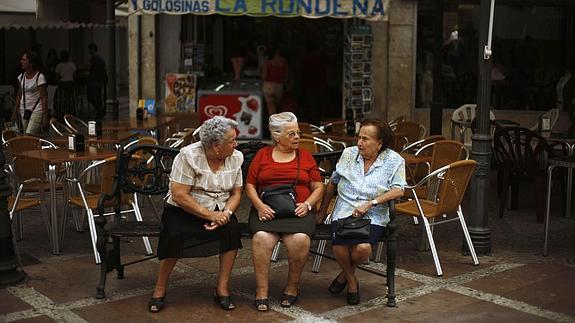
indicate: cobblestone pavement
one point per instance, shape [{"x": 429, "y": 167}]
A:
[{"x": 514, "y": 283}]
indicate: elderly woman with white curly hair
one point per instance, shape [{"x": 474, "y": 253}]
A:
[
  {"x": 280, "y": 164},
  {"x": 198, "y": 219}
]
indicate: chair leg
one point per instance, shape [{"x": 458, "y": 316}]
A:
[
  {"x": 467, "y": 237},
  {"x": 138, "y": 216},
  {"x": 378, "y": 252},
  {"x": 317, "y": 259},
  {"x": 154, "y": 208},
  {"x": 93, "y": 234},
  {"x": 276, "y": 251},
  {"x": 432, "y": 245}
]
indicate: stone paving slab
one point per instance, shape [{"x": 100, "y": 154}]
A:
[{"x": 445, "y": 306}]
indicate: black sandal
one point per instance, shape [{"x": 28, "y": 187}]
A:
[
  {"x": 353, "y": 298},
  {"x": 288, "y": 300},
  {"x": 262, "y": 302},
  {"x": 336, "y": 287},
  {"x": 225, "y": 301},
  {"x": 156, "y": 304}
]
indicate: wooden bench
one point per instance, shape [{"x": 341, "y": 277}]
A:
[{"x": 145, "y": 169}]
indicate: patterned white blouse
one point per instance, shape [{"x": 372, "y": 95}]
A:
[
  {"x": 209, "y": 189},
  {"x": 354, "y": 187}
]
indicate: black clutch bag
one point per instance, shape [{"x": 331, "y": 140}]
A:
[
  {"x": 281, "y": 198},
  {"x": 352, "y": 228}
]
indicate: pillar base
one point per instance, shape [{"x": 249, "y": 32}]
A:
[
  {"x": 9, "y": 274},
  {"x": 481, "y": 239}
]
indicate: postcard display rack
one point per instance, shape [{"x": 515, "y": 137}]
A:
[{"x": 357, "y": 70}]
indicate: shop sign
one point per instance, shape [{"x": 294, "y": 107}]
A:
[{"x": 366, "y": 9}]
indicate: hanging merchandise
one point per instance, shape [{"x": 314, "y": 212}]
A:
[{"x": 357, "y": 69}]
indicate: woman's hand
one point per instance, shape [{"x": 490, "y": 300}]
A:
[
  {"x": 301, "y": 210},
  {"x": 359, "y": 211},
  {"x": 266, "y": 213},
  {"x": 219, "y": 219}
]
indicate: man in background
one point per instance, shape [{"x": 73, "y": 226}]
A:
[{"x": 97, "y": 80}]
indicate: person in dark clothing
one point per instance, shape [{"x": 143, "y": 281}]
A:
[{"x": 97, "y": 80}]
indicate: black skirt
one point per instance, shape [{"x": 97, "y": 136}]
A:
[
  {"x": 184, "y": 236},
  {"x": 305, "y": 224}
]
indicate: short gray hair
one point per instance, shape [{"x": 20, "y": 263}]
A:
[
  {"x": 278, "y": 121},
  {"x": 213, "y": 130}
]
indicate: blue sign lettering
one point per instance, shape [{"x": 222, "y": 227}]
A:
[
  {"x": 269, "y": 3},
  {"x": 305, "y": 4},
  {"x": 327, "y": 9},
  {"x": 240, "y": 6},
  {"x": 219, "y": 8},
  {"x": 358, "y": 5},
  {"x": 288, "y": 10},
  {"x": 377, "y": 8},
  {"x": 336, "y": 7},
  {"x": 205, "y": 6}
]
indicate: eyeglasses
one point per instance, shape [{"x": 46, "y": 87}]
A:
[{"x": 292, "y": 134}]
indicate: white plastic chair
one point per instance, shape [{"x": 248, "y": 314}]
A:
[
  {"x": 552, "y": 114},
  {"x": 462, "y": 118}
]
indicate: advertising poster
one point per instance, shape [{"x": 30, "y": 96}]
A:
[
  {"x": 180, "y": 93},
  {"x": 245, "y": 108}
]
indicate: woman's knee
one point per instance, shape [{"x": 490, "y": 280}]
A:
[
  {"x": 262, "y": 239},
  {"x": 361, "y": 250}
]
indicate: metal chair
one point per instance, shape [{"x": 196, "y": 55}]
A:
[
  {"x": 29, "y": 177},
  {"x": 452, "y": 181},
  {"x": 411, "y": 130},
  {"x": 59, "y": 128},
  {"x": 90, "y": 201},
  {"x": 393, "y": 123},
  {"x": 76, "y": 125}
]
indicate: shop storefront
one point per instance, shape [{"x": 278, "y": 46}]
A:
[{"x": 199, "y": 38}]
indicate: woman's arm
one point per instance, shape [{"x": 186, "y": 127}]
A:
[
  {"x": 264, "y": 211},
  {"x": 234, "y": 200},
  {"x": 264, "y": 71},
  {"x": 392, "y": 194},
  {"x": 327, "y": 196},
  {"x": 181, "y": 195},
  {"x": 317, "y": 189},
  {"x": 44, "y": 104}
]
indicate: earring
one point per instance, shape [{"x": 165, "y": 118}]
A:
[{"x": 217, "y": 152}]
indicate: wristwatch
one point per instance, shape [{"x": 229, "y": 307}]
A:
[
  {"x": 308, "y": 205},
  {"x": 374, "y": 202}
]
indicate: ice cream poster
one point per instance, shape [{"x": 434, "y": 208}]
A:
[
  {"x": 180, "y": 92},
  {"x": 245, "y": 109}
]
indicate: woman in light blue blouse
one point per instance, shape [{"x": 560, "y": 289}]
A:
[{"x": 366, "y": 176}]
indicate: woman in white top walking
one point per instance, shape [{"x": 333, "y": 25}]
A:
[{"x": 31, "y": 103}]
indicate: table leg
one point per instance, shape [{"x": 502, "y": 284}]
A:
[
  {"x": 53, "y": 210},
  {"x": 547, "y": 208},
  {"x": 569, "y": 184}
]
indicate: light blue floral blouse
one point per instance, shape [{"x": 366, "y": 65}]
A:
[{"x": 355, "y": 188}]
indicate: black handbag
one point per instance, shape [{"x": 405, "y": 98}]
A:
[
  {"x": 281, "y": 198},
  {"x": 352, "y": 228}
]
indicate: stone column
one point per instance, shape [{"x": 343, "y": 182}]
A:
[
  {"x": 142, "y": 62},
  {"x": 401, "y": 59}
]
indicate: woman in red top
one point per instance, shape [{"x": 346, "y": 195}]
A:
[
  {"x": 278, "y": 164},
  {"x": 274, "y": 75}
]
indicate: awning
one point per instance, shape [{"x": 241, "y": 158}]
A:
[
  {"x": 364, "y": 9},
  {"x": 43, "y": 14}
]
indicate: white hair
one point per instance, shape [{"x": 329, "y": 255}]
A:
[
  {"x": 213, "y": 130},
  {"x": 278, "y": 121}
]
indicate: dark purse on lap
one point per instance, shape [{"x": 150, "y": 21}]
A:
[
  {"x": 281, "y": 198},
  {"x": 352, "y": 228}
]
